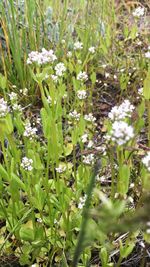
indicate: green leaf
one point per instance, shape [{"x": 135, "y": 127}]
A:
[
  {"x": 146, "y": 89},
  {"x": 26, "y": 233},
  {"x": 123, "y": 182},
  {"x": 3, "y": 81}
]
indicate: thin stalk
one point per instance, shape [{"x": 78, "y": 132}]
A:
[
  {"x": 148, "y": 113},
  {"x": 82, "y": 233}
]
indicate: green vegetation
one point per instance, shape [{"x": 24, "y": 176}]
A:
[{"x": 74, "y": 133}]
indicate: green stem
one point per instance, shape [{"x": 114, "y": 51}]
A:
[
  {"x": 82, "y": 233},
  {"x": 148, "y": 113}
]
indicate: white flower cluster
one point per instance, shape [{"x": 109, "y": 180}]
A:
[
  {"x": 60, "y": 69},
  {"x": 84, "y": 138},
  {"x": 89, "y": 117},
  {"x": 61, "y": 168},
  {"x": 138, "y": 12},
  {"x": 13, "y": 96},
  {"x": 82, "y": 201},
  {"x": 54, "y": 78},
  {"x": 121, "y": 133},
  {"x": 26, "y": 164},
  {"x": 29, "y": 131},
  {"x": 40, "y": 58},
  {"x": 78, "y": 45},
  {"x": 24, "y": 91},
  {"x": 121, "y": 112},
  {"x": 81, "y": 94},
  {"x": 16, "y": 107},
  {"x": 82, "y": 76},
  {"x": 92, "y": 49},
  {"x": 146, "y": 161},
  {"x": 89, "y": 159},
  {"x": 75, "y": 115},
  {"x": 3, "y": 108}
]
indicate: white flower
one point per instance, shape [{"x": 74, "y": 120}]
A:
[
  {"x": 89, "y": 159},
  {"x": 60, "y": 69},
  {"x": 41, "y": 57},
  {"x": 69, "y": 54},
  {"x": 84, "y": 138},
  {"x": 121, "y": 112},
  {"x": 121, "y": 133},
  {"x": 26, "y": 164},
  {"x": 146, "y": 161},
  {"x": 16, "y": 107},
  {"x": 61, "y": 168},
  {"x": 81, "y": 94},
  {"x": 79, "y": 62},
  {"x": 107, "y": 75},
  {"x": 3, "y": 108},
  {"x": 82, "y": 201},
  {"x": 140, "y": 91},
  {"x": 49, "y": 100},
  {"x": 138, "y": 12},
  {"x": 24, "y": 91},
  {"x": 78, "y": 46},
  {"x": 54, "y": 78},
  {"x": 92, "y": 49},
  {"x": 89, "y": 117},
  {"x": 82, "y": 76},
  {"x": 29, "y": 131},
  {"x": 13, "y": 96},
  {"x": 90, "y": 144},
  {"x": 75, "y": 115},
  {"x": 147, "y": 54}
]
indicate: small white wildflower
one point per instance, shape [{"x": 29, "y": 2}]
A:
[
  {"x": 60, "y": 69},
  {"x": 3, "y": 108},
  {"x": 39, "y": 220},
  {"x": 84, "y": 138},
  {"x": 122, "y": 111},
  {"x": 14, "y": 86},
  {"x": 121, "y": 133},
  {"x": 82, "y": 201},
  {"x": 92, "y": 49},
  {"x": 147, "y": 54},
  {"x": 146, "y": 161},
  {"x": 69, "y": 54},
  {"x": 90, "y": 144},
  {"x": 79, "y": 62},
  {"x": 140, "y": 91},
  {"x": 105, "y": 84},
  {"x": 107, "y": 75},
  {"x": 115, "y": 77},
  {"x": 75, "y": 115},
  {"x": 139, "y": 12},
  {"x": 26, "y": 164},
  {"x": 24, "y": 91},
  {"x": 78, "y": 46},
  {"x": 89, "y": 159},
  {"x": 54, "y": 78},
  {"x": 30, "y": 132},
  {"x": 61, "y": 168},
  {"x": 81, "y": 94},
  {"x": 82, "y": 76},
  {"x": 13, "y": 96},
  {"x": 16, "y": 107},
  {"x": 89, "y": 117}
]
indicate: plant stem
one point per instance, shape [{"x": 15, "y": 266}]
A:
[{"x": 79, "y": 246}]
